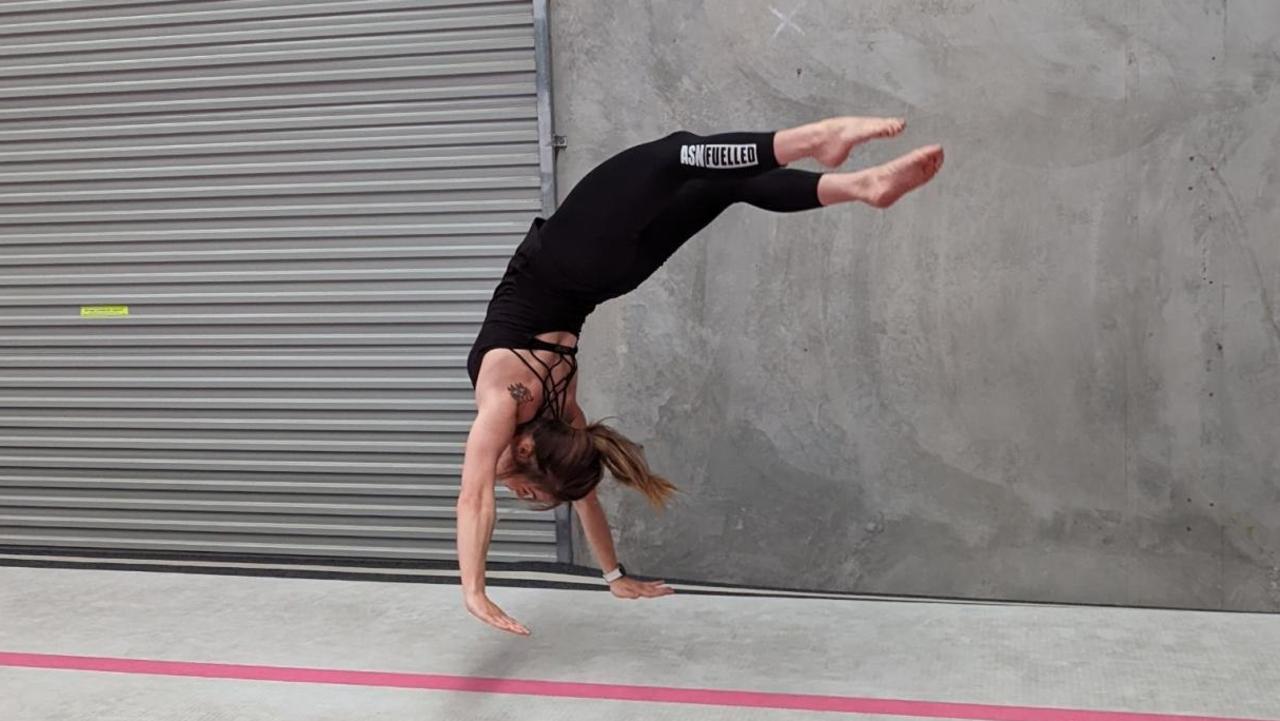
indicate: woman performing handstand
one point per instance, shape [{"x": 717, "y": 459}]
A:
[{"x": 618, "y": 225}]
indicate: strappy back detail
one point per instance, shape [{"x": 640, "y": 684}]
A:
[{"x": 555, "y": 394}]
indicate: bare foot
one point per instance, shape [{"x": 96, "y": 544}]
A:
[
  {"x": 838, "y": 136},
  {"x": 829, "y": 141},
  {"x": 882, "y": 185}
]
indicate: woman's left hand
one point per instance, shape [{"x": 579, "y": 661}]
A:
[{"x": 627, "y": 587}]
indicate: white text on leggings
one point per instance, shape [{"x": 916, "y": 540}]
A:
[{"x": 719, "y": 156}]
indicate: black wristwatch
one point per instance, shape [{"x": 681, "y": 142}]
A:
[{"x": 615, "y": 574}]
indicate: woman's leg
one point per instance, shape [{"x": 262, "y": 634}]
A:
[
  {"x": 624, "y": 193},
  {"x": 789, "y": 191},
  {"x": 699, "y": 202},
  {"x": 783, "y": 190}
]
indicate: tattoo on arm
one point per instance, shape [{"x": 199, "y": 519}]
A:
[{"x": 520, "y": 393}]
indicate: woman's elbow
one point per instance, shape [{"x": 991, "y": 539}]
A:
[{"x": 473, "y": 503}]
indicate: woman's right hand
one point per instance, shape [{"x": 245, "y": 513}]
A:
[
  {"x": 482, "y": 608},
  {"x": 491, "y": 432}
]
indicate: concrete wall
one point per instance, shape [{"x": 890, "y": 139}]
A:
[{"x": 1050, "y": 375}]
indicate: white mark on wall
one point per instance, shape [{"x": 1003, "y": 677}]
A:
[{"x": 787, "y": 19}]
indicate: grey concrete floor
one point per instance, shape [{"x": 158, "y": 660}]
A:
[{"x": 1112, "y": 659}]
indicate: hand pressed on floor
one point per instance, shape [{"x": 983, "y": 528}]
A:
[
  {"x": 627, "y": 587},
  {"x": 482, "y": 608}
]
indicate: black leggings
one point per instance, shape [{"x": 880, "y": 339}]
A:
[
  {"x": 624, "y": 220},
  {"x": 659, "y": 194}
]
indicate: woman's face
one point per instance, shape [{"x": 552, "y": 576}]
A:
[
  {"x": 527, "y": 490},
  {"x": 519, "y": 484}
]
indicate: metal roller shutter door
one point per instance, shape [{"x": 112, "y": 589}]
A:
[{"x": 305, "y": 207}]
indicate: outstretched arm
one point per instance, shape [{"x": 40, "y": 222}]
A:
[
  {"x": 477, "y": 507},
  {"x": 596, "y": 527}
]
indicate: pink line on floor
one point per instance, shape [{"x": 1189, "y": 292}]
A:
[{"x": 563, "y": 689}]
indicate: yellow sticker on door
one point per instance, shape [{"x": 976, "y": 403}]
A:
[{"x": 103, "y": 311}]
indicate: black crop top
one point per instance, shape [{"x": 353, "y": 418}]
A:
[
  {"x": 532, "y": 298},
  {"x": 555, "y": 279}
]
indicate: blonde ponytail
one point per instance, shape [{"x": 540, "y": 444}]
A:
[{"x": 625, "y": 460}]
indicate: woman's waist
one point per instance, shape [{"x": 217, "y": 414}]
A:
[{"x": 524, "y": 315}]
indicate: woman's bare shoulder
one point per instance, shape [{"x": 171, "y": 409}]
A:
[{"x": 505, "y": 382}]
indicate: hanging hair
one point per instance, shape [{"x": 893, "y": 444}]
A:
[
  {"x": 626, "y": 462},
  {"x": 569, "y": 462}
]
